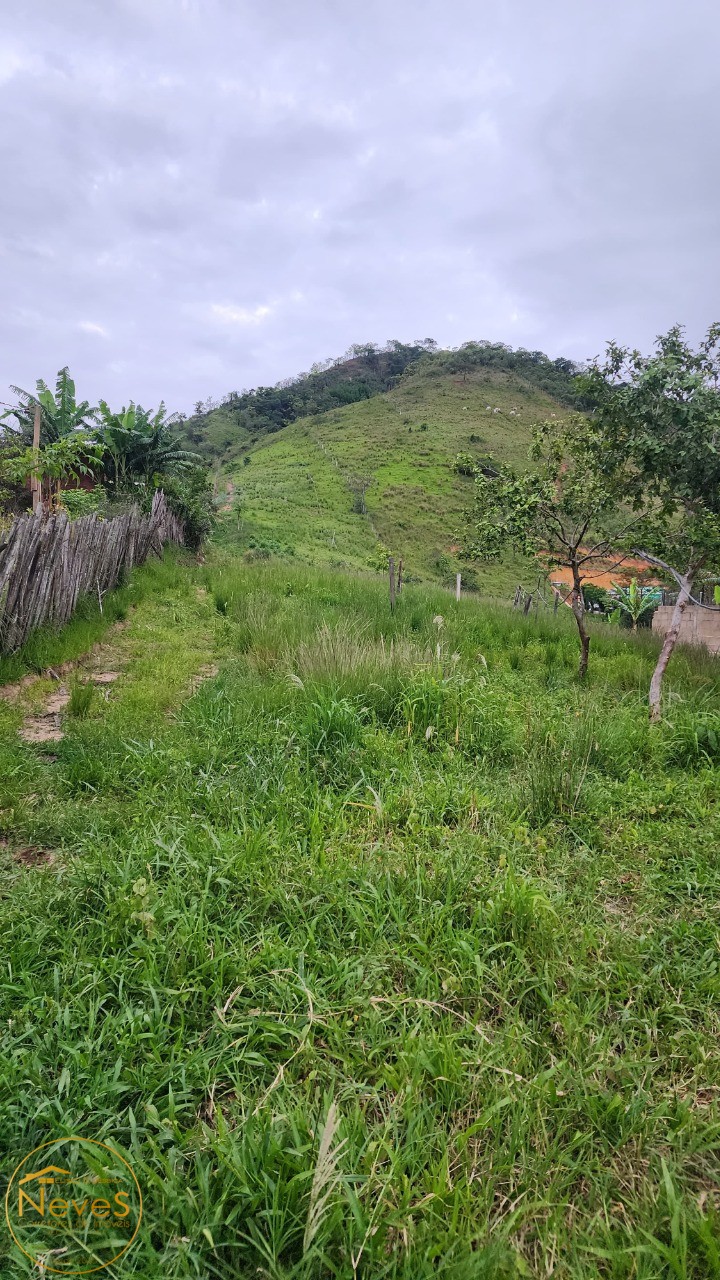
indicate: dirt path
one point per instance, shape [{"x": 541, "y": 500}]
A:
[
  {"x": 98, "y": 667},
  {"x": 229, "y": 493}
]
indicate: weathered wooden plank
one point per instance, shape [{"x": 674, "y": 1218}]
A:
[{"x": 48, "y": 562}]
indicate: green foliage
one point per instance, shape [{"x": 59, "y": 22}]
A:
[
  {"x": 594, "y": 595},
  {"x": 189, "y": 494},
  {"x": 634, "y": 602},
  {"x": 379, "y": 560},
  {"x": 551, "y": 509},
  {"x": 657, "y": 419},
  {"x": 61, "y": 413},
  {"x": 140, "y": 445},
  {"x": 65, "y": 459},
  {"x": 83, "y": 502},
  {"x": 563, "y": 510},
  {"x": 554, "y": 377},
  {"x": 661, "y": 414},
  {"x": 135, "y": 450},
  {"x": 464, "y": 464}
]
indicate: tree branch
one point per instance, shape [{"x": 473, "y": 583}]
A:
[{"x": 662, "y": 564}]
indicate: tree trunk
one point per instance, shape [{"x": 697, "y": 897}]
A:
[
  {"x": 671, "y": 637},
  {"x": 578, "y": 607}
]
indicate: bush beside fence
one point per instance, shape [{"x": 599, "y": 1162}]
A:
[{"x": 47, "y": 562}]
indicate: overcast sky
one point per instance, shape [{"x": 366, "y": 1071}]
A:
[{"x": 204, "y": 195}]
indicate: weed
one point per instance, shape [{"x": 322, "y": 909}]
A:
[{"x": 82, "y": 698}]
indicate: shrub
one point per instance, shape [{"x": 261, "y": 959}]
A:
[
  {"x": 83, "y": 502},
  {"x": 190, "y": 497},
  {"x": 596, "y": 596},
  {"x": 464, "y": 464}
]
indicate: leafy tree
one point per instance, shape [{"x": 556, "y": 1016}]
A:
[
  {"x": 61, "y": 414},
  {"x": 66, "y": 459},
  {"x": 657, "y": 418},
  {"x": 13, "y": 492},
  {"x": 561, "y": 510},
  {"x": 557, "y": 377}
]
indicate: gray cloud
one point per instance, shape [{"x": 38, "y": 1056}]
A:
[{"x": 200, "y": 195}]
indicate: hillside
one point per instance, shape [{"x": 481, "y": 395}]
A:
[
  {"x": 343, "y": 487},
  {"x": 219, "y": 430}
]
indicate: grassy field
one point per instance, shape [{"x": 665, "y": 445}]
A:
[
  {"x": 295, "y": 496},
  {"x": 393, "y": 888}
]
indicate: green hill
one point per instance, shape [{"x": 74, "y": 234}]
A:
[{"x": 343, "y": 487}]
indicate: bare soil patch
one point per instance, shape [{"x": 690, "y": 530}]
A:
[
  {"x": 29, "y": 855},
  {"x": 95, "y": 666},
  {"x": 206, "y": 672}
]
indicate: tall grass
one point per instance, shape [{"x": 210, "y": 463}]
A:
[{"x": 358, "y": 999}]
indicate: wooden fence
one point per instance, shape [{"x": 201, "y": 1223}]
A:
[{"x": 48, "y": 561}]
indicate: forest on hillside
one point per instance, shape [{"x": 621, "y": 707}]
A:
[{"x": 218, "y": 427}]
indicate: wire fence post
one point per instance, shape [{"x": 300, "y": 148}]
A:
[
  {"x": 391, "y": 569},
  {"x": 458, "y": 584}
]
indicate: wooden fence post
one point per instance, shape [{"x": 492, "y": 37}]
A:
[
  {"x": 516, "y": 599},
  {"x": 399, "y": 581},
  {"x": 391, "y": 568},
  {"x": 528, "y": 604},
  {"x": 458, "y": 584},
  {"x": 35, "y": 479}
]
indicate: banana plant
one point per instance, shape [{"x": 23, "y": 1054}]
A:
[
  {"x": 139, "y": 444},
  {"x": 60, "y": 412},
  {"x": 632, "y": 601}
]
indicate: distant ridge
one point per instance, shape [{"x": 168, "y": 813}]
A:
[{"x": 220, "y": 430}]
